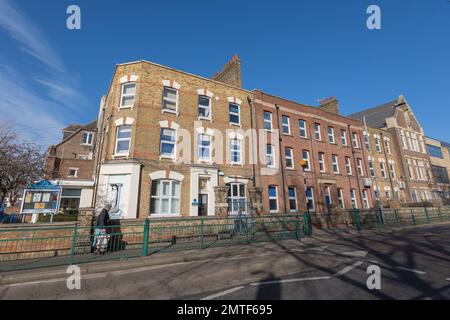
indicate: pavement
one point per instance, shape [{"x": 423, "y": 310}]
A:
[{"x": 414, "y": 263}]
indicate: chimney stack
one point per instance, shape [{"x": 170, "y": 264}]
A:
[
  {"x": 231, "y": 73},
  {"x": 330, "y": 104}
]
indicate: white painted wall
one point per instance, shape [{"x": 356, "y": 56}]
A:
[{"x": 130, "y": 189}]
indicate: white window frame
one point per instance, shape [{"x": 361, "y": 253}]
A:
[
  {"x": 118, "y": 128},
  {"x": 341, "y": 201},
  {"x": 317, "y": 131},
  {"x": 286, "y": 125},
  {"x": 238, "y": 114},
  {"x": 200, "y": 146},
  {"x": 372, "y": 167},
  {"x": 348, "y": 166},
  {"x": 270, "y": 155},
  {"x": 387, "y": 147},
  {"x": 307, "y": 159},
  {"x": 170, "y": 197},
  {"x": 269, "y": 121},
  {"x": 303, "y": 128},
  {"x": 344, "y": 137},
  {"x": 353, "y": 198},
  {"x": 392, "y": 169},
  {"x": 74, "y": 175},
  {"x": 321, "y": 158},
  {"x": 90, "y": 139},
  {"x": 294, "y": 198},
  {"x": 365, "y": 198},
  {"x": 289, "y": 157},
  {"x": 330, "y": 132},
  {"x": 164, "y": 109},
  {"x": 360, "y": 167},
  {"x": 355, "y": 140},
  {"x": 273, "y": 198},
  {"x": 313, "y": 208},
  {"x": 124, "y": 95},
  {"x": 174, "y": 143},
  {"x": 335, "y": 162},
  {"x": 209, "y": 107},
  {"x": 383, "y": 170},
  {"x": 236, "y": 142},
  {"x": 378, "y": 144}
]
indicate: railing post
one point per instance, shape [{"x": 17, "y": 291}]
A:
[
  {"x": 427, "y": 215},
  {"x": 298, "y": 233},
  {"x": 202, "y": 234},
  {"x": 307, "y": 224},
  {"x": 357, "y": 222},
  {"x": 145, "y": 238},
  {"x": 74, "y": 243},
  {"x": 396, "y": 218},
  {"x": 413, "y": 219},
  {"x": 440, "y": 214}
]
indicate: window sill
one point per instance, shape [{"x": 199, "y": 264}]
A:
[
  {"x": 167, "y": 158},
  {"x": 204, "y": 119},
  {"x": 170, "y": 111},
  {"x": 121, "y": 155},
  {"x": 126, "y": 107},
  {"x": 235, "y": 164},
  {"x": 86, "y": 145},
  {"x": 236, "y": 124},
  {"x": 207, "y": 161}
]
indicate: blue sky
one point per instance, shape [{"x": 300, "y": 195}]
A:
[{"x": 301, "y": 50}]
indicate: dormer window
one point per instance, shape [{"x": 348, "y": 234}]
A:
[{"x": 87, "y": 138}]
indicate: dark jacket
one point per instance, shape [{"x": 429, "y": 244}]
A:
[{"x": 102, "y": 219}]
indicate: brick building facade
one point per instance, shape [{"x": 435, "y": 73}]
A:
[
  {"x": 330, "y": 144},
  {"x": 397, "y": 118},
  {"x": 167, "y": 140},
  {"x": 173, "y": 144},
  {"x": 70, "y": 164}
]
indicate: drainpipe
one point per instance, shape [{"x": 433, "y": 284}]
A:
[
  {"x": 250, "y": 103},
  {"x": 354, "y": 161},
  {"x": 99, "y": 155},
  {"x": 387, "y": 161},
  {"x": 280, "y": 139}
]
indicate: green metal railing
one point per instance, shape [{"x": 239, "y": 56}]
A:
[
  {"x": 27, "y": 248},
  {"x": 388, "y": 218}
]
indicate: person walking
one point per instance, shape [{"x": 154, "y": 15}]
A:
[{"x": 101, "y": 223}]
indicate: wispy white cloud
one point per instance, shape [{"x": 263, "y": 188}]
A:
[
  {"x": 29, "y": 36},
  {"x": 36, "y": 119},
  {"x": 36, "y": 102}
]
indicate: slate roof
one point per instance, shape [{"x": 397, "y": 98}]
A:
[{"x": 376, "y": 117}]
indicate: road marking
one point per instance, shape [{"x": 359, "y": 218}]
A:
[
  {"x": 448, "y": 279},
  {"x": 220, "y": 294},
  {"x": 289, "y": 280},
  {"x": 355, "y": 253},
  {"x": 411, "y": 270},
  {"x": 349, "y": 268}
]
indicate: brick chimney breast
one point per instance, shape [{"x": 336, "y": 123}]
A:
[
  {"x": 231, "y": 73},
  {"x": 330, "y": 104}
]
